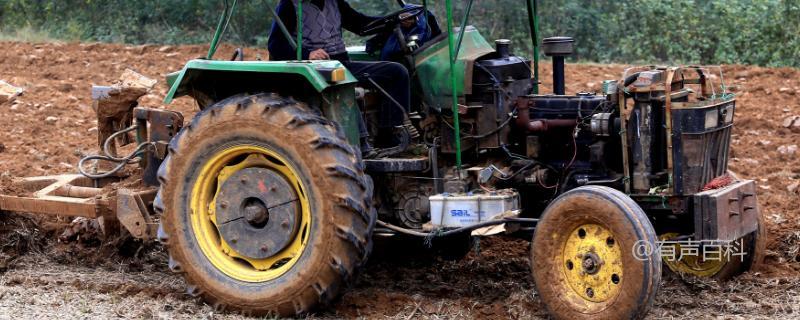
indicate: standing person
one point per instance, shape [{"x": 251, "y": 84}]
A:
[{"x": 323, "y": 22}]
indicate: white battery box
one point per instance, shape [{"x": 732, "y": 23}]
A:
[{"x": 462, "y": 210}]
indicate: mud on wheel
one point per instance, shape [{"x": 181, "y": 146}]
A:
[
  {"x": 265, "y": 207},
  {"x": 583, "y": 256}
]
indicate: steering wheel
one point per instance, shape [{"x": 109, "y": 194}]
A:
[{"x": 391, "y": 20}]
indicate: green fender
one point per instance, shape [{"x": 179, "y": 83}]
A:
[
  {"x": 179, "y": 82},
  {"x": 336, "y": 100}
]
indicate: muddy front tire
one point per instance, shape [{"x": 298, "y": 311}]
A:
[
  {"x": 265, "y": 207},
  {"x": 590, "y": 258}
]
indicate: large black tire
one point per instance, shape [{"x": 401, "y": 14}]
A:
[
  {"x": 583, "y": 260},
  {"x": 331, "y": 177}
]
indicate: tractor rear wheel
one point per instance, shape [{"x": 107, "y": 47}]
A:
[
  {"x": 265, "y": 207},
  {"x": 594, "y": 256}
]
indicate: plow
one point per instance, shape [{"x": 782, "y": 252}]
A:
[
  {"x": 107, "y": 195},
  {"x": 268, "y": 203}
]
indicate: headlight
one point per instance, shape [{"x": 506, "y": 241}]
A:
[{"x": 712, "y": 118}]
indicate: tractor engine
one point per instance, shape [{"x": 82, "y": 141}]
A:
[
  {"x": 535, "y": 141},
  {"x": 544, "y": 145},
  {"x": 497, "y": 79}
]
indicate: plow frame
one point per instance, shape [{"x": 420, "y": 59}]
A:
[{"x": 74, "y": 195}]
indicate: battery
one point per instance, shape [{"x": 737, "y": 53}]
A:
[{"x": 463, "y": 210}]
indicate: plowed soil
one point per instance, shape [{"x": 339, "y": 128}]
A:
[{"x": 52, "y": 125}]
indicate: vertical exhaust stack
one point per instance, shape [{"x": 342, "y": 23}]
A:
[
  {"x": 558, "y": 48},
  {"x": 503, "y": 48}
]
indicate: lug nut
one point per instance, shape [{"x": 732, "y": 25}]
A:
[
  {"x": 285, "y": 224},
  {"x": 264, "y": 248},
  {"x": 223, "y": 204},
  {"x": 243, "y": 180}
]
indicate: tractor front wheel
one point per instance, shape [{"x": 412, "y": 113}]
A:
[
  {"x": 594, "y": 256},
  {"x": 265, "y": 207}
]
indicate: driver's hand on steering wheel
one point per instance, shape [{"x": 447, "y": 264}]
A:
[{"x": 318, "y": 54}]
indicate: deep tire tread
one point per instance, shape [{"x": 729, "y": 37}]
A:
[{"x": 354, "y": 197}]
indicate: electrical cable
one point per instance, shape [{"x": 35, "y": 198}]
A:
[{"x": 495, "y": 130}]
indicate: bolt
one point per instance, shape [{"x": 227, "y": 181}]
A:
[
  {"x": 588, "y": 264},
  {"x": 589, "y": 292},
  {"x": 234, "y": 240},
  {"x": 285, "y": 224},
  {"x": 243, "y": 180},
  {"x": 223, "y": 204},
  {"x": 264, "y": 248},
  {"x": 273, "y": 189}
]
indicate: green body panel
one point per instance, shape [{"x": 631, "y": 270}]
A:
[
  {"x": 433, "y": 68},
  {"x": 337, "y": 100},
  {"x": 339, "y": 104},
  {"x": 307, "y": 69}
]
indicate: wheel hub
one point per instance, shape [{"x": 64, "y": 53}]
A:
[
  {"x": 257, "y": 212},
  {"x": 592, "y": 263}
]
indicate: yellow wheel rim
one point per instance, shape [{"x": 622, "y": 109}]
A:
[
  {"x": 204, "y": 218},
  {"x": 592, "y": 263},
  {"x": 693, "y": 264}
]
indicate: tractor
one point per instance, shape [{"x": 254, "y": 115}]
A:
[{"x": 267, "y": 207}]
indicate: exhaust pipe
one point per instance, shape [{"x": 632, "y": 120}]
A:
[{"x": 558, "y": 48}]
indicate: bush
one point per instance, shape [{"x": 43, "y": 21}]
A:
[{"x": 761, "y": 32}]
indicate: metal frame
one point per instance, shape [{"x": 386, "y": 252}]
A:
[{"x": 74, "y": 195}]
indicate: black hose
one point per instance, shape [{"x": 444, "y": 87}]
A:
[
  {"x": 107, "y": 155},
  {"x": 630, "y": 79}
]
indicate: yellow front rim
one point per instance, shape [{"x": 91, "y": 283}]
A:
[
  {"x": 591, "y": 262},
  {"x": 691, "y": 263},
  {"x": 214, "y": 173}
]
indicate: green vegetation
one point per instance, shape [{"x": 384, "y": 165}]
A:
[{"x": 762, "y": 32}]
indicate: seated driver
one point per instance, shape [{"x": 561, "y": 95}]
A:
[{"x": 323, "y": 21}]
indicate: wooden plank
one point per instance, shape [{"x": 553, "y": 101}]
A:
[{"x": 50, "y": 205}]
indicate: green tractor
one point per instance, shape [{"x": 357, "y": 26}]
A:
[{"x": 268, "y": 208}]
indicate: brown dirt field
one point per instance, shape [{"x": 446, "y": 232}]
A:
[{"x": 40, "y": 277}]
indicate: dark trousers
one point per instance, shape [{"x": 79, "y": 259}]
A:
[{"x": 391, "y": 77}]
